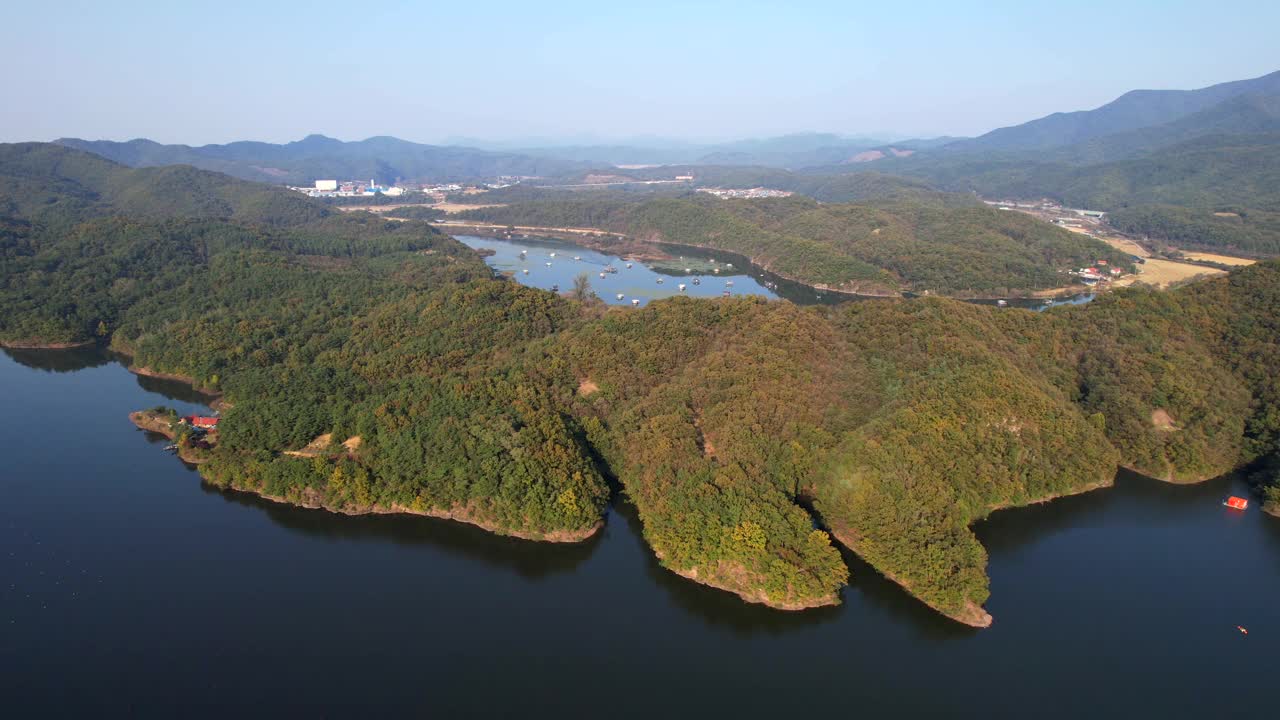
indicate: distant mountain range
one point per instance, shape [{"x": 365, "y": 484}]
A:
[
  {"x": 1132, "y": 111},
  {"x": 388, "y": 159},
  {"x": 385, "y": 159},
  {"x": 792, "y": 151}
]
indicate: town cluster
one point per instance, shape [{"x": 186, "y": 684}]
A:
[
  {"x": 758, "y": 192},
  {"x": 361, "y": 188}
]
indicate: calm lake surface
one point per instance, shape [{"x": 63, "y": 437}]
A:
[
  {"x": 530, "y": 261},
  {"x": 129, "y": 588},
  {"x": 716, "y": 273}
]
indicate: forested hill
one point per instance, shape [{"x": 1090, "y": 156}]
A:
[
  {"x": 385, "y": 159},
  {"x": 411, "y": 380},
  {"x": 1172, "y": 193},
  {"x": 41, "y": 181},
  {"x": 948, "y": 246},
  {"x": 1133, "y": 110}
]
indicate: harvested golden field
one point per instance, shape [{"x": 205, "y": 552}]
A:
[
  {"x": 1220, "y": 259},
  {"x": 1163, "y": 273},
  {"x": 454, "y": 208}
]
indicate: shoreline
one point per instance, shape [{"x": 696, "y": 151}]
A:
[
  {"x": 144, "y": 421},
  {"x": 456, "y": 515},
  {"x": 138, "y": 419},
  {"x": 973, "y": 615},
  {"x": 40, "y": 345},
  {"x": 757, "y": 598}
]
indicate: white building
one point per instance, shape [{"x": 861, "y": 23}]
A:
[{"x": 326, "y": 185}]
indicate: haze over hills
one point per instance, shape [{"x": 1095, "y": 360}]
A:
[
  {"x": 1195, "y": 166},
  {"x": 388, "y": 159}
]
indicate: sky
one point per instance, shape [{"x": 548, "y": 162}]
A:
[{"x": 197, "y": 73}]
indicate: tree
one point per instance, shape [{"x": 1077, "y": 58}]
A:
[{"x": 582, "y": 288}]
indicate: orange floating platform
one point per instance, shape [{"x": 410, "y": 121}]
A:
[{"x": 1236, "y": 503}]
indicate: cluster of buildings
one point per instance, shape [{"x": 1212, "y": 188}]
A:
[
  {"x": 748, "y": 193},
  {"x": 348, "y": 188},
  {"x": 359, "y": 188},
  {"x": 1098, "y": 272}
]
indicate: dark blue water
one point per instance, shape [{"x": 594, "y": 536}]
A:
[{"x": 129, "y": 588}]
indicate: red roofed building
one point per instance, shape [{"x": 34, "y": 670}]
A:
[{"x": 208, "y": 423}]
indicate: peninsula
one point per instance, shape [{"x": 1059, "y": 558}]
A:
[{"x": 752, "y": 436}]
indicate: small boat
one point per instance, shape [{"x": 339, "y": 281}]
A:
[
  {"x": 1236, "y": 503},
  {"x": 697, "y": 281},
  {"x": 577, "y": 257},
  {"x": 548, "y": 264},
  {"x": 687, "y": 270},
  {"x": 728, "y": 283},
  {"x": 628, "y": 266},
  {"x": 552, "y": 255},
  {"x": 610, "y": 269},
  {"x": 621, "y": 296},
  {"x": 634, "y": 302},
  {"x": 681, "y": 286},
  {"x": 601, "y": 274},
  {"x": 524, "y": 252},
  {"x": 659, "y": 281},
  {"x": 715, "y": 270},
  {"x": 728, "y": 264},
  {"x": 1002, "y": 303},
  {"x": 555, "y": 288},
  {"x": 727, "y": 293},
  {"x": 1048, "y": 301},
  {"x": 525, "y": 271}
]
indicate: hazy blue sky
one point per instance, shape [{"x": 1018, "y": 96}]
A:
[{"x": 219, "y": 71}]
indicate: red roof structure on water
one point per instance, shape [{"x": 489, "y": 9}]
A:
[{"x": 1236, "y": 503}]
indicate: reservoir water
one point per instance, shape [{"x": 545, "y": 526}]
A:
[
  {"x": 547, "y": 263},
  {"x": 551, "y": 264},
  {"x": 130, "y": 588}
]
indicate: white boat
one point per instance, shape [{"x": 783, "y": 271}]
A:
[
  {"x": 659, "y": 281},
  {"x": 728, "y": 283},
  {"x": 681, "y": 286},
  {"x": 628, "y": 266},
  {"x": 687, "y": 270},
  {"x": 525, "y": 271},
  {"x": 1002, "y": 303},
  {"x": 601, "y": 274},
  {"x": 634, "y": 302},
  {"x": 577, "y": 257},
  {"x": 621, "y": 296},
  {"x": 548, "y": 264},
  {"x": 552, "y": 255}
]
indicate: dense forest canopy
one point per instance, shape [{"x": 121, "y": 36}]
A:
[{"x": 405, "y": 377}]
